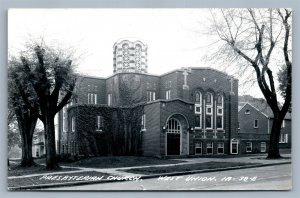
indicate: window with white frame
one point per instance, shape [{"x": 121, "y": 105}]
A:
[
  {"x": 168, "y": 94},
  {"x": 99, "y": 123},
  {"x": 283, "y": 138},
  {"x": 65, "y": 119},
  {"x": 248, "y": 147},
  {"x": 220, "y": 112},
  {"x": 198, "y": 148},
  {"x": 209, "y": 111},
  {"x": 144, "y": 122},
  {"x": 283, "y": 124},
  {"x": 263, "y": 147},
  {"x": 173, "y": 126},
  {"x": 109, "y": 99},
  {"x": 73, "y": 124},
  {"x": 150, "y": 96},
  {"x": 92, "y": 98},
  {"x": 209, "y": 148},
  {"x": 247, "y": 111},
  {"x": 198, "y": 110},
  {"x": 256, "y": 123},
  {"x": 220, "y": 147}
]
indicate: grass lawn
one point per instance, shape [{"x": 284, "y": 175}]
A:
[
  {"x": 16, "y": 170},
  {"x": 120, "y": 162},
  {"x": 59, "y": 179},
  {"x": 185, "y": 167}
]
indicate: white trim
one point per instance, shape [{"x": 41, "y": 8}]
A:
[
  {"x": 73, "y": 124},
  {"x": 65, "y": 120},
  {"x": 247, "y": 147},
  {"x": 234, "y": 141},
  {"x": 168, "y": 94},
  {"x": 211, "y": 105},
  {"x": 212, "y": 148},
  {"x": 175, "y": 118},
  {"x": 201, "y": 146},
  {"x": 284, "y": 138},
  {"x": 150, "y": 96},
  {"x": 220, "y": 147},
  {"x": 109, "y": 99},
  {"x": 283, "y": 123},
  {"x": 199, "y": 113},
  {"x": 220, "y": 114},
  {"x": 143, "y": 122},
  {"x": 265, "y": 147},
  {"x": 242, "y": 106},
  {"x": 99, "y": 119}
]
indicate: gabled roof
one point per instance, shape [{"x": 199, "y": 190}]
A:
[
  {"x": 247, "y": 103},
  {"x": 262, "y": 106}
]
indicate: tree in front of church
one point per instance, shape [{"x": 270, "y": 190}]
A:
[
  {"x": 259, "y": 39},
  {"x": 22, "y": 111},
  {"x": 50, "y": 73}
]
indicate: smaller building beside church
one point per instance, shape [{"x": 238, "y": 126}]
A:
[{"x": 255, "y": 124}]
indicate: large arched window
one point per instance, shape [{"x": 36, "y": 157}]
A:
[
  {"x": 198, "y": 110},
  {"x": 208, "y": 111},
  {"x": 220, "y": 112},
  {"x": 173, "y": 126}
]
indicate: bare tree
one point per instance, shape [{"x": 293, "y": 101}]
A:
[
  {"x": 50, "y": 73},
  {"x": 259, "y": 39}
]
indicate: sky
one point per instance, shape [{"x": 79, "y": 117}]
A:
[{"x": 175, "y": 37}]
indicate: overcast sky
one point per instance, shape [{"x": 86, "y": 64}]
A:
[{"x": 175, "y": 37}]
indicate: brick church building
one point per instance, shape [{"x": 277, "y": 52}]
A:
[{"x": 187, "y": 111}]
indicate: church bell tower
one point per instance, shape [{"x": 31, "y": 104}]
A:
[{"x": 130, "y": 56}]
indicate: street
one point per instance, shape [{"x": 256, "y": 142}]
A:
[{"x": 264, "y": 178}]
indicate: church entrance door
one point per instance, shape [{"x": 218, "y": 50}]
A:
[
  {"x": 173, "y": 144},
  {"x": 173, "y": 137}
]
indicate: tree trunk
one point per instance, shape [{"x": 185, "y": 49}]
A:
[
  {"x": 274, "y": 138},
  {"x": 27, "y": 160},
  {"x": 26, "y": 127},
  {"x": 51, "y": 160}
]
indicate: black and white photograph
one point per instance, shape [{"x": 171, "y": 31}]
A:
[{"x": 149, "y": 99}]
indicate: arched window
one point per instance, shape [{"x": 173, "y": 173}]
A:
[
  {"x": 198, "y": 110},
  {"x": 208, "y": 98},
  {"x": 209, "y": 111},
  {"x": 220, "y": 112},
  {"x": 173, "y": 126}
]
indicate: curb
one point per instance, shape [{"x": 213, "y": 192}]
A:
[{"x": 45, "y": 186}]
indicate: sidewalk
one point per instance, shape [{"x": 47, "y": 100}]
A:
[{"x": 121, "y": 171}]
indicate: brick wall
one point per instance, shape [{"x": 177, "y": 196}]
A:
[
  {"x": 247, "y": 131},
  {"x": 151, "y": 137},
  {"x": 87, "y": 85}
]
